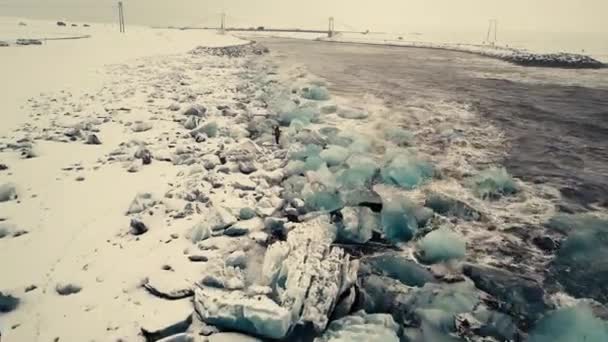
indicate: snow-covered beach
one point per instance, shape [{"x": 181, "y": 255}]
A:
[{"x": 182, "y": 185}]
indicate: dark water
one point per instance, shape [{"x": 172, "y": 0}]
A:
[{"x": 556, "y": 120}]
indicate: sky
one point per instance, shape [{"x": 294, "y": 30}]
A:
[{"x": 376, "y": 15}]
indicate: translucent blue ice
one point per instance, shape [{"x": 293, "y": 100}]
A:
[
  {"x": 398, "y": 219},
  {"x": 407, "y": 171},
  {"x": 441, "y": 245},
  {"x": 493, "y": 183},
  {"x": 317, "y": 93},
  {"x": 400, "y": 267},
  {"x": 576, "y": 324},
  {"x": 325, "y": 200},
  {"x": 334, "y": 155}
]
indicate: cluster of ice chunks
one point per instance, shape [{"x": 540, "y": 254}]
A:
[
  {"x": 569, "y": 325},
  {"x": 577, "y": 265},
  {"x": 315, "y": 92},
  {"x": 440, "y": 245},
  {"x": 362, "y": 327},
  {"x": 334, "y": 155},
  {"x": 493, "y": 183},
  {"x": 404, "y": 169},
  {"x": 304, "y": 115}
]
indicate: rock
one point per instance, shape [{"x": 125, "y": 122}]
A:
[
  {"x": 140, "y": 126},
  {"x": 234, "y": 310},
  {"x": 245, "y": 227},
  {"x": 31, "y": 288},
  {"x": 246, "y": 213},
  {"x": 196, "y": 110},
  {"x": 174, "y": 107},
  {"x": 244, "y": 184},
  {"x": 92, "y": 139},
  {"x": 144, "y": 154},
  {"x": 168, "y": 286},
  {"x": 3, "y": 167},
  {"x": 66, "y": 289},
  {"x": 8, "y": 192},
  {"x": 545, "y": 243},
  {"x": 141, "y": 202},
  {"x": 8, "y": 303},
  {"x": 138, "y": 227},
  {"x": 237, "y": 259},
  {"x": 520, "y": 297},
  {"x": 210, "y": 161},
  {"x": 198, "y": 258},
  {"x": 247, "y": 167}
]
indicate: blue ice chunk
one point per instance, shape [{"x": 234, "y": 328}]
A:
[
  {"x": 313, "y": 163},
  {"x": 452, "y": 299},
  {"x": 407, "y": 171},
  {"x": 493, "y": 183},
  {"x": 355, "y": 177},
  {"x": 305, "y": 152},
  {"x": 399, "y": 136},
  {"x": 578, "y": 263},
  {"x": 317, "y": 93},
  {"x": 401, "y": 268},
  {"x": 360, "y": 145},
  {"x": 398, "y": 219},
  {"x": 441, "y": 245},
  {"x": 304, "y": 114},
  {"x": 575, "y": 324},
  {"x": 334, "y": 155},
  {"x": 324, "y": 200},
  {"x": 362, "y": 327},
  {"x": 210, "y": 129},
  {"x": 293, "y": 187},
  {"x": 294, "y": 167}
]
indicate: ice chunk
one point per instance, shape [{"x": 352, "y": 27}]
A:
[
  {"x": 352, "y": 114},
  {"x": 273, "y": 261},
  {"x": 445, "y": 205},
  {"x": 360, "y": 144},
  {"x": 575, "y": 324},
  {"x": 334, "y": 155},
  {"x": 577, "y": 263},
  {"x": 210, "y": 129},
  {"x": 324, "y": 200},
  {"x": 362, "y": 327},
  {"x": 398, "y": 218},
  {"x": 234, "y": 310},
  {"x": 317, "y": 93},
  {"x": 361, "y": 169},
  {"x": 313, "y": 163},
  {"x": 303, "y": 152},
  {"x": 493, "y": 183},
  {"x": 199, "y": 232},
  {"x": 303, "y": 114},
  {"x": 399, "y": 136},
  {"x": 441, "y": 245},
  {"x": 141, "y": 202},
  {"x": 399, "y": 267},
  {"x": 246, "y": 213},
  {"x": 406, "y": 170},
  {"x": 8, "y": 192},
  {"x": 357, "y": 224}
]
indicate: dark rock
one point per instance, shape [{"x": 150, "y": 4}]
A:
[
  {"x": 170, "y": 294},
  {"x": 138, "y": 227},
  {"x": 196, "y": 110},
  {"x": 144, "y": 154},
  {"x": 8, "y": 303},
  {"x": 31, "y": 288},
  {"x": 66, "y": 289},
  {"x": 212, "y": 281},
  {"x": 545, "y": 243},
  {"x": 236, "y": 231},
  {"x": 198, "y": 258},
  {"x": 247, "y": 167},
  {"x": 92, "y": 139},
  {"x": 448, "y": 206},
  {"x": 518, "y": 297},
  {"x": 3, "y": 167}
]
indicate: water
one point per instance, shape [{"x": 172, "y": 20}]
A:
[{"x": 556, "y": 121}]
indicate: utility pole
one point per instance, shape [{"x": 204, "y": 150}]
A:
[
  {"x": 121, "y": 17},
  {"x": 223, "y": 23},
  {"x": 330, "y": 31}
]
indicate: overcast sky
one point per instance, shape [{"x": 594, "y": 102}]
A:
[{"x": 378, "y": 15}]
